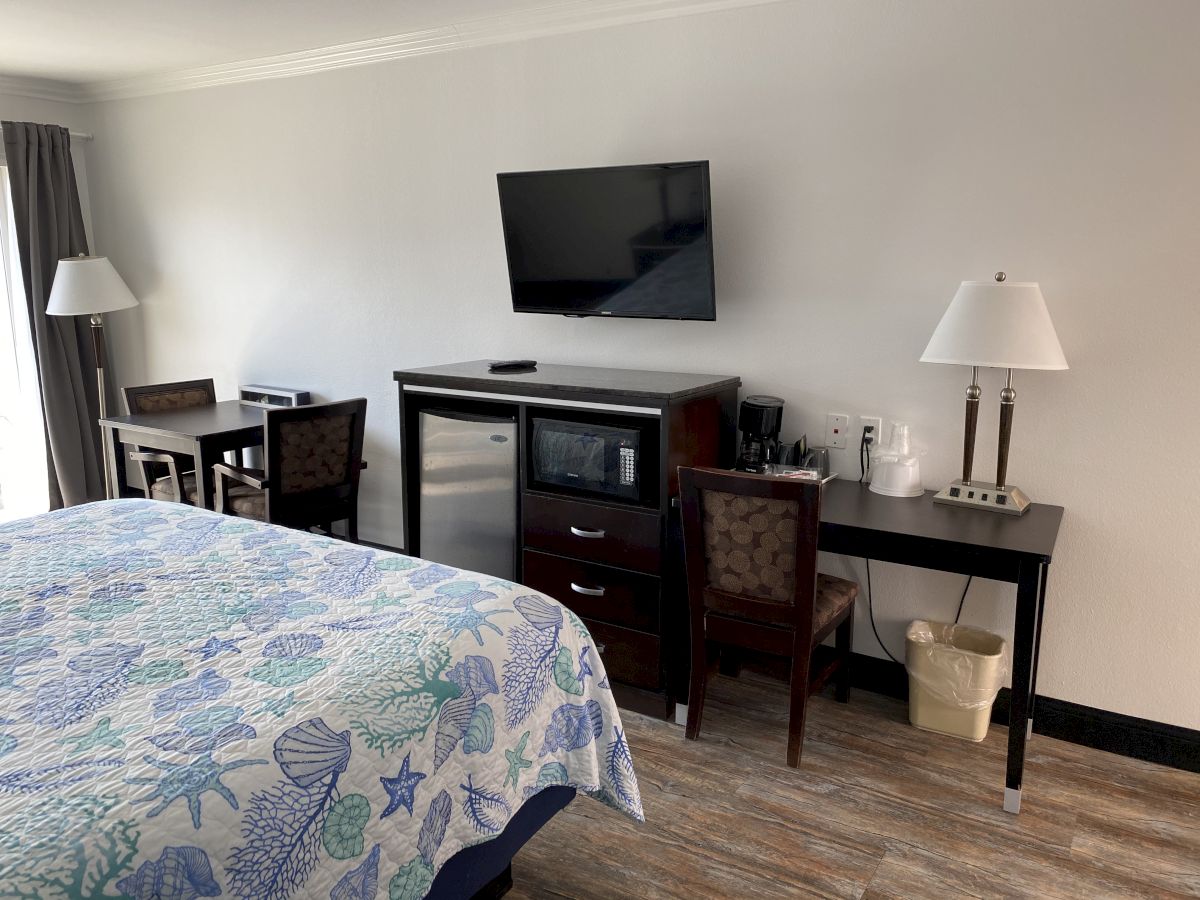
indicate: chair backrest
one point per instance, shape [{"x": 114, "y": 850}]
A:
[
  {"x": 313, "y": 461},
  {"x": 750, "y": 544},
  {"x": 150, "y": 398}
]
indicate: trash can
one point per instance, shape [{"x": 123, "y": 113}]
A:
[{"x": 954, "y": 674}]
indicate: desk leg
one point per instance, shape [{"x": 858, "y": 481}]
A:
[
  {"x": 1037, "y": 650},
  {"x": 1029, "y": 582},
  {"x": 205, "y": 460}
]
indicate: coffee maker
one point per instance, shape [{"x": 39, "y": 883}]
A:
[{"x": 759, "y": 421}]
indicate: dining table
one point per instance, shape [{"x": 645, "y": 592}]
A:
[{"x": 206, "y": 433}]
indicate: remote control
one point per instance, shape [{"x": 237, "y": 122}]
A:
[{"x": 512, "y": 365}]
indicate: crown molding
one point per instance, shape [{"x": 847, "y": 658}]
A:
[
  {"x": 576, "y": 15},
  {"x": 42, "y": 89}
]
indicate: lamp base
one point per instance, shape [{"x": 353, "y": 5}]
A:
[{"x": 1009, "y": 501}]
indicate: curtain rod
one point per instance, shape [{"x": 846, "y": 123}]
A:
[{"x": 82, "y": 136}]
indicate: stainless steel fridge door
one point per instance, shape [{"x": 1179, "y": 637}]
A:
[{"x": 468, "y": 508}]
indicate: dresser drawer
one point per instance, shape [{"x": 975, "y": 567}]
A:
[
  {"x": 595, "y": 592},
  {"x": 631, "y": 657},
  {"x": 628, "y": 538}
]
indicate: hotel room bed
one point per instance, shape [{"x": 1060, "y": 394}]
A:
[{"x": 193, "y": 705}]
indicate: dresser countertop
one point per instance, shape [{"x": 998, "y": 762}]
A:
[{"x": 546, "y": 378}]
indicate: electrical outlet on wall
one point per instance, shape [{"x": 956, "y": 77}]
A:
[
  {"x": 875, "y": 423},
  {"x": 836, "y": 427}
]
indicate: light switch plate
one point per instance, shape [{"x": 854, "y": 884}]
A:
[{"x": 836, "y": 427}]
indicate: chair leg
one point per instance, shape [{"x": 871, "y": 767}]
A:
[
  {"x": 844, "y": 641},
  {"x": 798, "y": 699},
  {"x": 352, "y": 528},
  {"x": 699, "y": 683}
]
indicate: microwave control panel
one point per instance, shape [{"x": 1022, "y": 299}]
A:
[{"x": 628, "y": 465}]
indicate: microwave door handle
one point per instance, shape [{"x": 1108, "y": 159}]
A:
[
  {"x": 587, "y": 532},
  {"x": 587, "y": 591}
]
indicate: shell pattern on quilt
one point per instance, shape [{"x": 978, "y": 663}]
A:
[{"x": 194, "y": 705}]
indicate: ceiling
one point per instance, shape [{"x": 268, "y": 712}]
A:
[{"x": 83, "y": 41}]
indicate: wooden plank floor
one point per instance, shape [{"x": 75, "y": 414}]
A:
[{"x": 877, "y": 809}]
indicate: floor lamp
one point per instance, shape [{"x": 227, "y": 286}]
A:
[
  {"x": 90, "y": 286},
  {"x": 999, "y": 324}
]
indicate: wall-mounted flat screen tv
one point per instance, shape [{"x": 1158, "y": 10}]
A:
[{"x": 619, "y": 241}]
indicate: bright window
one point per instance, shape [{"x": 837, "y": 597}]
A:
[{"x": 23, "y": 482}]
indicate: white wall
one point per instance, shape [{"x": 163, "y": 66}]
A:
[{"x": 866, "y": 157}]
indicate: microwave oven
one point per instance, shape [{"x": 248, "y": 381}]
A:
[{"x": 605, "y": 460}]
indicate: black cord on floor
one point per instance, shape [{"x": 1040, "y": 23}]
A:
[
  {"x": 963, "y": 599},
  {"x": 871, "y": 614}
]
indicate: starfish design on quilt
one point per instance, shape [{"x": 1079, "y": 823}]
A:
[
  {"x": 383, "y": 600},
  {"x": 102, "y": 735},
  {"x": 215, "y": 646},
  {"x": 401, "y": 788},
  {"x": 190, "y": 781},
  {"x": 517, "y": 761},
  {"x": 471, "y": 619},
  {"x": 279, "y": 706}
]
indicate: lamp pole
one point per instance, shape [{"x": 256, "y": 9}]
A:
[
  {"x": 973, "y": 393},
  {"x": 97, "y": 323}
]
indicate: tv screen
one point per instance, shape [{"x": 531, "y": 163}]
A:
[{"x": 620, "y": 241}]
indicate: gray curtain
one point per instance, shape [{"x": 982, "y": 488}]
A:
[{"x": 49, "y": 225}]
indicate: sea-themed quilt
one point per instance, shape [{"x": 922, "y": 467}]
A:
[{"x": 194, "y": 705}]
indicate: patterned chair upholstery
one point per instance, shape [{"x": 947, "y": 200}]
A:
[
  {"x": 314, "y": 458},
  {"x": 751, "y": 552},
  {"x": 312, "y": 454},
  {"x": 168, "y": 476},
  {"x": 172, "y": 398}
]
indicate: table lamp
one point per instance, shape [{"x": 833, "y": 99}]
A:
[
  {"x": 1004, "y": 325},
  {"x": 89, "y": 285}
]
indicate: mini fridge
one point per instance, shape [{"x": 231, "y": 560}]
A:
[{"x": 468, "y": 504}]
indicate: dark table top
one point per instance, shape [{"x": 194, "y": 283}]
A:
[
  {"x": 474, "y": 376},
  {"x": 850, "y": 504},
  {"x": 194, "y": 422}
]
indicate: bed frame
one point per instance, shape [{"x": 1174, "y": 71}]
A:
[{"x": 484, "y": 871}]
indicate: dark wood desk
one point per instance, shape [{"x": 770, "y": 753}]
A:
[
  {"x": 205, "y": 432},
  {"x": 917, "y": 532}
]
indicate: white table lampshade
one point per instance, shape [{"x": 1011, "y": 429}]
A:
[{"x": 1001, "y": 324}]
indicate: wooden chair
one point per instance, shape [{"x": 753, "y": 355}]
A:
[
  {"x": 168, "y": 476},
  {"x": 313, "y": 458},
  {"x": 750, "y": 544}
]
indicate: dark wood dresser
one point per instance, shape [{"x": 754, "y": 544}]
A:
[{"x": 616, "y": 562}]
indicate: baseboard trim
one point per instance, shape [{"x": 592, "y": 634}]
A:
[{"x": 1156, "y": 742}]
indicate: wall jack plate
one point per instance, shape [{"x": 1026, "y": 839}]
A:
[{"x": 837, "y": 427}]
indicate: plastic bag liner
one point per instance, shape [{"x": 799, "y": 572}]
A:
[{"x": 961, "y": 666}]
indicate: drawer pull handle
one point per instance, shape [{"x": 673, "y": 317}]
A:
[
  {"x": 587, "y": 532},
  {"x": 587, "y": 591},
  {"x": 600, "y": 648}
]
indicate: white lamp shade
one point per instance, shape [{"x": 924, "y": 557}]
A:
[
  {"x": 1002, "y": 324},
  {"x": 87, "y": 284}
]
